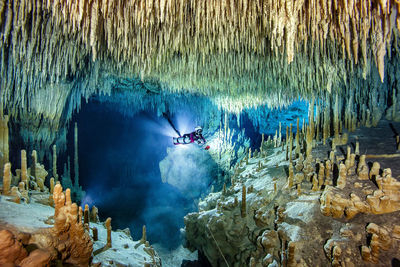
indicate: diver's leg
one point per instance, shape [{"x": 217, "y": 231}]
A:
[{"x": 186, "y": 140}]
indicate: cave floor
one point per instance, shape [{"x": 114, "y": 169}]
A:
[
  {"x": 278, "y": 217},
  {"x": 379, "y": 140}
]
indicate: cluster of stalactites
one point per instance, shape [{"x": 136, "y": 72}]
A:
[
  {"x": 212, "y": 47},
  {"x": 139, "y": 28}
]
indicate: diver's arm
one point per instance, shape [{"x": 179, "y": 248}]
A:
[{"x": 201, "y": 140}]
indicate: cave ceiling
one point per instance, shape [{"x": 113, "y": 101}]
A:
[{"x": 239, "y": 53}]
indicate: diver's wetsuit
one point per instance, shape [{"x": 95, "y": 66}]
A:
[{"x": 190, "y": 138}]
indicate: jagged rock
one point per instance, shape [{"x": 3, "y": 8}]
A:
[
  {"x": 270, "y": 242},
  {"x": 385, "y": 199},
  {"x": 41, "y": 175},
  {"x": 380, "y": 240},
  {"x": 11, "y": 250},
  {"x": 38, "y": 257},
  {"x": 67, "y": 238},
  {"x": 299, "y": 164},
  {"x": 16, "y": 194},
  {"x": 298, "y": 178}
]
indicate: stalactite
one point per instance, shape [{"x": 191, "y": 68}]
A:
[{"x": 211, "y": 47}]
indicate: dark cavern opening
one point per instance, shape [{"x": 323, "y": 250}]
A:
[
  {"x": 199, "y": 133},
  {"x": 119, "y": 163}
]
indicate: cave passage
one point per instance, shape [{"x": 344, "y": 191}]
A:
[
  {"x": 120, "y": 159},
  {"x": 119, "y": 170}
]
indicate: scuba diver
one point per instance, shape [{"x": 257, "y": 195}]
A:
[{"x": 192, "y": 137}]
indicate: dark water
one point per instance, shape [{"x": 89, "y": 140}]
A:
[{"x": 119, "y": 171}]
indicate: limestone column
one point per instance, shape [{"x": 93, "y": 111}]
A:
[
  {"x": 24, "y": 172},
  {"x": 7, "y": 179},
  {"x": 55, "y": 175},
  {"x": 34, "y": 161},
  {"x": 4, "y": 156}
]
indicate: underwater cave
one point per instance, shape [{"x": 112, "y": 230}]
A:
[{"x": 199, "y": 133}]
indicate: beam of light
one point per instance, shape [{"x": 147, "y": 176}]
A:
[
  {"x": 184, "y": 122},
  {"x": 158, "y": 125}
]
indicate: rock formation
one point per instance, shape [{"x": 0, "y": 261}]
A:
[
  {"x": 321, "y": 224},
  {"x": 12, "y": 250},
  {"x": 6, "y": 179}
]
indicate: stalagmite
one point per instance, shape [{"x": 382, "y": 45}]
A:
[
  {"x": 108, "y": 227},
  {"x": 336, "y": 252},
  {"x": 24, "y": 172},
  {"x": 51, "y": 185},
  {"x": 297, "y": 143},
  {"x": 328, "y": 168},
  {"x": 94, "y": 214},
  {"x": 24, "y": 192},
  {"x": 6, "y": 179},
  {"x": 55, "y": 175},
  {"x": 243, "y": 206},
  {"x": 77, "y": 247},
  {"x": 290, "y": 146},
  {"x": 59, "y": 199},
  {"x": 341, "y": 182},
  {"x": 332, "y": 156},
  {"x": 95, "y": 234},
  {"x": 80, "y": 215},
  {"x": 4, "y": 149},
  {"x": 321, "y": 174},
  {"x": 144, "y": 236},
  {"x": 68, "y": 199},
  {"x": 309, "y": 141},
  {"x": 262, "y": 145},
  {"x": 380, "y": 240},
  {"x": 86, "y": 215},
  {"x": 34, "y": 162},
  {"x": 315, "y": 182},
  {"x": 290, "y": 177},
  {"x": 291, "y": 254},
  {"x": 374, "y": 170}
]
